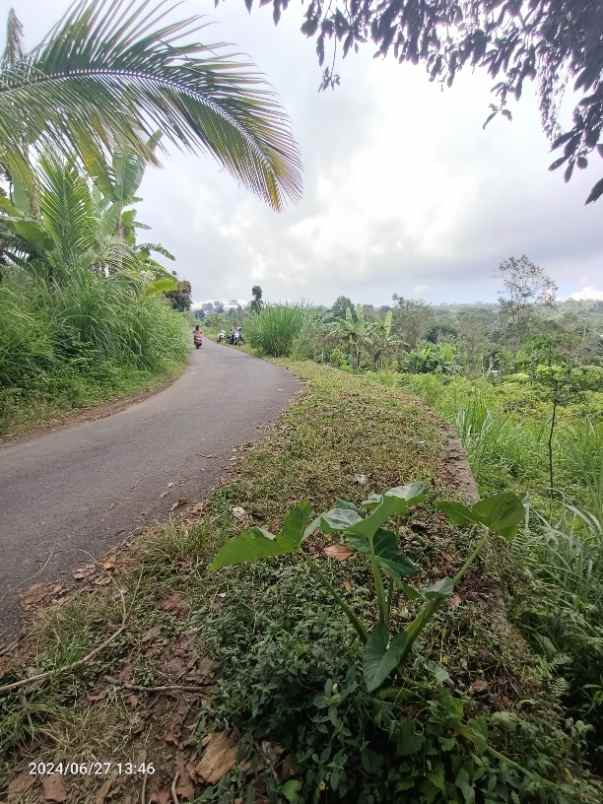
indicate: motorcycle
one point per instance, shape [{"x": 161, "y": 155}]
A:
[
  {"x": 235, "y": 338},
  {"x": 221, "y": 336}
]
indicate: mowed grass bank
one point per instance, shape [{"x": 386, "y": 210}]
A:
[{"x": 261, "y": 656}]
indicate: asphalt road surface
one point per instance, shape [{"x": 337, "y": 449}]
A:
[{"x": 70, "y": 494}]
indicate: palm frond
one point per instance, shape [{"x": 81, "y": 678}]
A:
[
  {"x": 157, "y": 248},
  {"x": 111, "y": 73},
  {"x": 67, "y": 212},
  {"x": 13, "y": 49}
]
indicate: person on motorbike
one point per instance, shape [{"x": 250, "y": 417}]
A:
[{"x": 198, "y": 337}]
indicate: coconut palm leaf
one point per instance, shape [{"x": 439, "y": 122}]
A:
[
  {"x": 118, "y": 71},
  {"x": 13, "y": 50},
  {"x": 67, "y": 212}
]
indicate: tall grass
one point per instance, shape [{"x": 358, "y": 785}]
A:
[
  {"x": 557, "y": 586},
  {"x": 561, "y": 608},
  {"x": 273, "y": 330},
  {"x": 64, "y": 346},
  {"x": 581, "y": 463}
]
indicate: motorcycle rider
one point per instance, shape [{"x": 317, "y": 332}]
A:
[{"x": 198, "y": 337}]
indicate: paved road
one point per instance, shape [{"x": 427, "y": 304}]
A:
[{"x": 71, "y": 494}]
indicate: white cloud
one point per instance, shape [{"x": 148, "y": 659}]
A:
[
  {"x": 404, "y": 191},
  {"x": 588, "y": 294}
]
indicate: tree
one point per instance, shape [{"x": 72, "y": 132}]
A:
[
  {"x": 108, "y": 72},
  {"x": 440, "y": 332},
  {"x": 525, "y": 285},
  {"x": 256, "y": 303},
  {"x": 541, "y": 41},
  {"x": 180, "y": 298},
  {"x": 341, "y": 307},
  {"x": 411, "y": 319}
]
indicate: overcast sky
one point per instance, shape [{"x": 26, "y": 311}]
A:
[{"x": 403, "y": 190}]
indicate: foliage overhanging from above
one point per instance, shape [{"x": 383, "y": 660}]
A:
[
  {"x": 121, "y": 70},
  {"x": 546, "y": 41}
]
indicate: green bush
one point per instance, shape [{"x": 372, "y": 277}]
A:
[
  {"x": 273, "y": 330},
  {"x": 431, "y": 358}
]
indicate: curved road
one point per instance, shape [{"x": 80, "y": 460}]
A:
[{"x": 72, "y": 493}]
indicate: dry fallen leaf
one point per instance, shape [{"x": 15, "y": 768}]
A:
[
  {"x": 179, "y": 503},
  {"x": 362, "y": 480},
  {"x": 19, "y": 785},
  {"x": 161, "y": 797},
  {"x": 185, "y": 788},
  {"x": 175, "y": 603},
  {"x": 81, "y": 573},
  {"x": 338, "y": 551},
  {"x": 238, "y": 512},
  {"x": 104, "y": 580},
  {"x": 454, "y": 602},
  {"x": 220, "y": 756},
  {"x": 479, "y": 686},
  {"x": 40, "y": 592},
  {"x": 53, "y": 787}
]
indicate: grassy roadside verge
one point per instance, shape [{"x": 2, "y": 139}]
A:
[
  {"x": 91, "y": 399},
  {"x": 260, "y": 656}
]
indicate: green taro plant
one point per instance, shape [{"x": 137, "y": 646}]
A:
[{"x": 362, "y": 530}]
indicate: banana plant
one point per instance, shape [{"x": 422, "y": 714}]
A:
[
  {"x": 352, "y": 332},
  {"x": 381, "y": 340},
  {"x": 117, "y": 185},
  {"x": 362, "y": 530}
]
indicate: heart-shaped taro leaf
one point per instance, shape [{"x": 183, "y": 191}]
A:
[
  {"x": 372, "y": 500},
  {"x": 388, "y": 507},
  {"x": 256, "y": 543},
  {"x": 381, "y": 658},
  {"x": 339, "y": 519},
  {"x": 387, "y": 550},
  {"x": 346, "y": 504},
  {"x": 439, "y": 589},
  {"x": 395, "y": 502},
  {"x": 502, "y": 513},
  {"x": 412, "y": 493},
  {"x": 456, "y": 512},
  {"x": 294, "y": 527}
]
